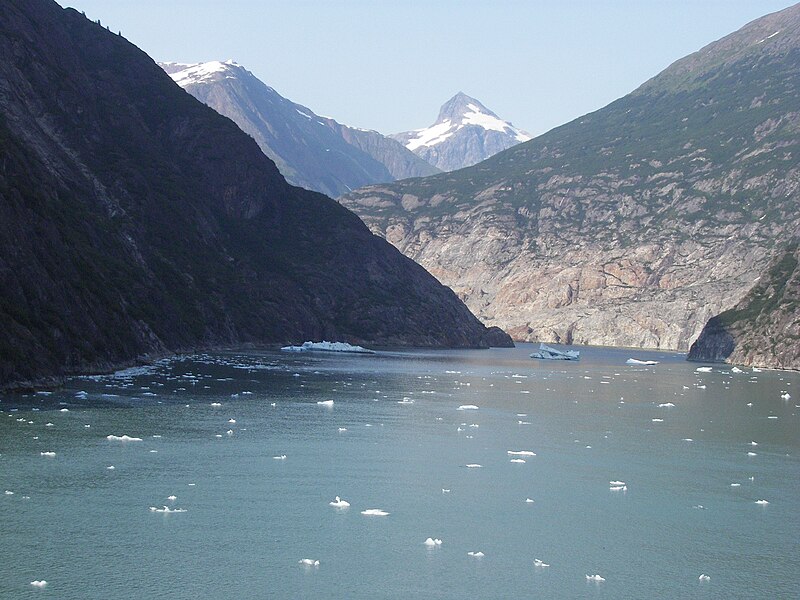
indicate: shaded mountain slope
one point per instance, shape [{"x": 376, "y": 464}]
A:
[{"x": 134, "y": 220}]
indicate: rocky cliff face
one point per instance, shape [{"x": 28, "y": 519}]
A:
[
  {"x": 465, "y": 133},
  {"x": 313, "y": 152},
  {"x": 633, "y": 225},
  {"x": 763, "y": 330},
  {"x": 134, "y": 220}
]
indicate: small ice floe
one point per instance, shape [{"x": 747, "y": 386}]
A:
[
  {"x": 308, "y": 562},
  {"x": 110, "y": 467},
  {"x": 756, "y": 370},
  {"x": 688, "y": 440},
  {"x": 49, "y": 425},
  {"x": 786, "y": 396},
  {"x": 752, "y": 454},
  {"x": 736, "y": 370},
  {"x": 703, "y": 369},
  {"x": 616, "y": 483},
  {"x": 49, "y": 454},
  {"x": 64, "y": 410},
  {"x": 749, "y": 404},
  {"x": 467, "y": 407},
  {"x": 520, "y": 453},
  {"x": 172, "y": 498},
  {"x": 754, "y": 443},
  {"x": 699, "y": 507},
  {"x": 474, "y": 466},
  {"x": 523, "y": 422},
  {"x": 595, "y": 577},
  {"x": 279, "y": 457},
  {"x": 9, "y": 493},
  {"x": 433, "y": 542},
  {"x": 339, "y": 503},
  {"x": 477, "y": 554},
  {"x": 445, "y": 491},
  {"x": 701, "y": 387},
  {"x": 736, "y": 485},
  {"x": 636, "y": 361},
  {"x": 374, "y": 512},
  {"x": 704, "y": 577},
  {"x": 406, "y": 401},
  {"x": 40, "y": 583},
  {"x": 342, "y": 429},
  {"x": 666, "y": 405},
  {"x": 167, "y": 510},
  {"x": 762, "y": 502},
  {"x": 539, "y": 563},
  {"x": 772, "y": 417},
  {"x": 528, "y": 501},
  {"x": 231, "y": 420},
  {"x": 123, "y": 438},
  {"x": 216, "y": 404},
  {"x": 325, "y": 402},
  {"x": 517, "y": 460}
]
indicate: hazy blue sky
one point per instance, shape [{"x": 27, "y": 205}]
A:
[{"x": 390, "y": 65}]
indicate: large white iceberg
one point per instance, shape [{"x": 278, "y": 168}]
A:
[{"x": 324, "y": 346}]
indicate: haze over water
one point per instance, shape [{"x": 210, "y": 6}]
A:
[{"x": 394, "y": 439}]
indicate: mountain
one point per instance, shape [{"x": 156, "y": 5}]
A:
[
  {"x": 313, "y": 152},
  {"x": 136, "y": 221},
  {"x": 465, "y": 133},
  {"x": 632, "y": 225},
  {"x": 763, "y": 330}
]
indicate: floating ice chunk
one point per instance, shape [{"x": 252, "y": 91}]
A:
[
  {"x": 688, "y": 440},
  {"x": 231, "y": 420},
  {"x": 752, "y": 454},
  {"x": 123, "y": 438},
  {"x": 528, "y": 501},
  {"x": 374, "y": 512},
  {"x": 474, "y": 466},
  {"x": 736, "y": 485},
  {"x": 467, "y": 407},
  {"x": 616, "y": 483},
  {"x": 636, "y": 361},
  {"x": 280, "y": 457},
  {"x": 111, "y": 467},
  {"x": 785, "y": 396},
  {"x": 666, "y": 405},
  {"x": 657, "y": 420},
  {"x": 523, "y": 423},
  {"x": 339, "y": 503},
  {"x": 703, "y": 369},
  {"x": 704, "y": 577},
  {"x": 517, "y": 460},
  {"x": 47, "y": 453},
  {"x": 342, "y": 429},
  {"x": 39, "y": 583},
  {"x": 229, "y": 432},
  {"x": 618, "y": 488},
  {"x": 172, "y": 498},
  {"x": 736, "y": 370},
  {"x": 595, "y": 577},
  {"x": 754, "y": 443},
  {"x": 445, "y": 491},
  {"x": 520, "y": 453},
  {"x": 167, "y": 510},
  {"x": 9, "y": 493},
  {"x": 325, "y": 346},
  {"x": 64, "y": 410},
  {"x": 477, "y": 554},
  {"x": 325, "y": 402},
  {"x": 215, "y": 404},
  {"x": 539, "y": 563},
  {"x": 49, "y": 425},
  {"x": 406, "y": 401},
  {"x": 762, "y": 502},
  {"x": 308, "y": 562},
  {"x": 433, "y": 543}
]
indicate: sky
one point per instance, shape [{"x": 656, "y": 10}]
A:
[{"x": 389, "y": 65}]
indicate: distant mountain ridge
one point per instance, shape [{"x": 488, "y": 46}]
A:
[
  {"x": 632, "y": 225},
  {"x": 314, "y": 152},
  {"x": 465, "y": 133},
  {"x": 136, "y": 221}
]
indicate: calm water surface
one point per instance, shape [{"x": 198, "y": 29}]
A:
[{"x": 394, "y": 439}]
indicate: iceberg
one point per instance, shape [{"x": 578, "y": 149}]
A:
[
  {"x": 636, "y": 361},
  {"x": 324, "y": 346},
  {"x": 548, "y": 353}
]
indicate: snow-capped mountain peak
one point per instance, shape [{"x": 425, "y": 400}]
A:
[
  {"x": 186, "y": 74},
  {"x": 465, "y": 133}
]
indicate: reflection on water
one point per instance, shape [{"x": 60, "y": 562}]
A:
[{"x": 648, "y": 476}]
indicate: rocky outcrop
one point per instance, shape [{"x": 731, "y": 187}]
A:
[
  {"x": 465, "y": 133},
  {"x": 630, "y": 226},
  {"x": 313, "y": 152},
  {"x": 763, "y": 330},
  {"x": 136, "y": 221}
]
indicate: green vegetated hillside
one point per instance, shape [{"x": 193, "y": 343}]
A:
[
  {"x": 763, "y": 330},
  {"x": 135, "y": 221},
  {"x": 632, "y": 225}
]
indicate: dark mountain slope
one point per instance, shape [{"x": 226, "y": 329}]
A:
[
  {"x": 763, "y": 330},
  {"x": 632, "y": 225},
  {"x": 135, "y": 220}
]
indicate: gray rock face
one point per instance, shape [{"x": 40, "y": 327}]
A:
[
  {"x": 630, "y": 226},
  {"x": 313, "y": 152},
  {"x": 136, "y": 221},
  {"x": 465, "y": 133},
  {"x": 763, "y": 330}
]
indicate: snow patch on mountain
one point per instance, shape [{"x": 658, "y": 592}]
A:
[{"x": 200, "y": 72}]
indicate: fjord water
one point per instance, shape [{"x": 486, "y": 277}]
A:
[{"x": 395, "y": 439}]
